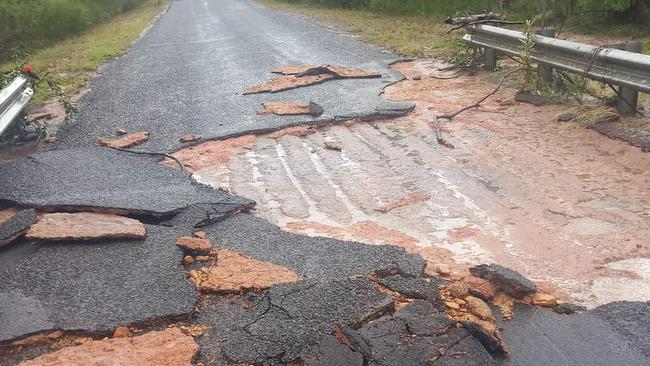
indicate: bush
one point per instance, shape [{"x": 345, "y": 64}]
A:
[{"x": 35, "y": 23}]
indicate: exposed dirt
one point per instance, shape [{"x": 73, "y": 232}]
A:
[
  {"x": 168, "y": 347},
  {"x": 84, "y": 226},
  {"x": 235, "y": 273},
  {"x": 287, "y": 82},
  {"x": 290, "y": 108},
  {"x": 552, "y": 201},
  {"x": 124, "y": 141}
]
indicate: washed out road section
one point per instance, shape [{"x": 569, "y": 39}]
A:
[{"x": 188, "y": 74}]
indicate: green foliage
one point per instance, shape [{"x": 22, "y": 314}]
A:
[{"x": 37, "y": 23}]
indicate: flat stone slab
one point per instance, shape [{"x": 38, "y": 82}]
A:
[
  {"x": 92, "y": 286},
  {"x": 85, "y": 226},
  {"x": 169, "y": 347},
  {"x": 107, "y": 180},
  {"x": 310, "y": 257},
  {"x": 16, "y": 225}
]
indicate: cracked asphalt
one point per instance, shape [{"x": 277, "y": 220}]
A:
[{"x": 186, "y": 75}]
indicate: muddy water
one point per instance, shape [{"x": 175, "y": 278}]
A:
[{"x": 562, "y": 205}]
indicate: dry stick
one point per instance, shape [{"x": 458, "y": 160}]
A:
[
  {"x": 483, "y": 22},
  {"x": 151, "y": 153},
  {"x": 436, "y": 124},
  {"x": 625, "y": 100},
  {"x": 478, "y": 104}
]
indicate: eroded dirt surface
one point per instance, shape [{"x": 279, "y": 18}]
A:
[{"x": 557, "y": 203}]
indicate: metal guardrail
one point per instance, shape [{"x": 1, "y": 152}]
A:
[
  {"x": 609, "y": 65},
  {"x": 13, "y": 100}
]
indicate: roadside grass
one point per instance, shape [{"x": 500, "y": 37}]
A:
[
  {"x": 407, "y": 35},
  {"x": 71, "y": 62}
]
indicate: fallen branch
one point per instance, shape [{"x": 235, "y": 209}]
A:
[
  {"x": 478, "y": 103},
  {"x": 152, "y": 154},
  {"x": 492, "y": 21}
]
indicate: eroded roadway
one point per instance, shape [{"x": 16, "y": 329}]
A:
[{"x": 184, "y": 76}]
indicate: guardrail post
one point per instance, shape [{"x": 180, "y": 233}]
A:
[
  {"x": 545, "y": 72},
  {"x": 628, "y": 98},
  {"x": 490, "y": 61}
]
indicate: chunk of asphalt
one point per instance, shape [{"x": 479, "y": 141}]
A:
[
  {"x": 631, "y": 320},
  {"x": 424, "y": 319},
  {"x": 330, "y": 352},
  {"x": 102, "y": 179},
  {"x": 392, "y": 345},
  {"x": 415, "y": 288},
  {"x": 16, "y": 225},
  {"x": 285, "y": 321},
  {"x": 511, "y": 282},
  {"x": 588, "y": 338},
  {"x": 313, "y": 258},
  {"x": 93, "y": 286}
]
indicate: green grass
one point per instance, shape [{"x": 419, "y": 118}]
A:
[
  {"x": 71, "y": 61},
  {"x": 408, "y": 35}
]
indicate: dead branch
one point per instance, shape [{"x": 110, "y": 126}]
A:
[
  {"x": 492, "y": 21},
  {"x": 478, "y": 103},
  {"x": 152, "y": 154},
  {"x": 474, "y": 17}
]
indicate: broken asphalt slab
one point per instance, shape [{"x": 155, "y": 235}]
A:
[
  {"x": 16, "y": 225},
  {"x": 284, "y": 321},
  {"x": 92, "y": 286},
  {"x": 314, "y": 258},
  {"x": 187, "y": 75},
  {"x": 613, "y": 334},
  {"x": 106, "y": 180}
]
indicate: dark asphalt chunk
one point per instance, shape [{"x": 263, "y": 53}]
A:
[
  {"x": 511, "y": 282},
  {"x": 424, "y": 319},
  {"x": 540, "y": 337},
  {"x": 330, "y": 352},
  {"x": 104, "y": 179},
  {"x": 188, "y": 73},
  {"x": 392, "y": 345},
  {"x": 284, "y": 321},
  {"x": 315, "y": 258},
  {"x": 631, "y": 320},
  {"x": 16, "y": 226},
  {"x": 414, "y": 288},
  {"x": 93, "y": 286}
]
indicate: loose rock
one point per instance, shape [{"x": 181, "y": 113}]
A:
[
  {"x": 544, "y": 300},
  {"x": 195, "y": 246},
  {"x": 443, "y": 269},
  {"x": 120, "y": 131},
  {"x": 85, "y": 226},
  {"x": 510, "y": 281},
  {"x": 568, "y": 309},
  {"x": 124, "y": 141},
  {"x": 121, "y": 332},
  {"x": 481, "y": 288},
  {"x": 187, "y": 260},
  {"x": 479, "y": 308},
  {"x": 170, "y": 347},
  {"x": 333, "y": 145},
  {"x": 202, "y": 258}
]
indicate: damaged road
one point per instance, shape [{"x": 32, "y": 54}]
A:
[{"x": 312, "y": 233}]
